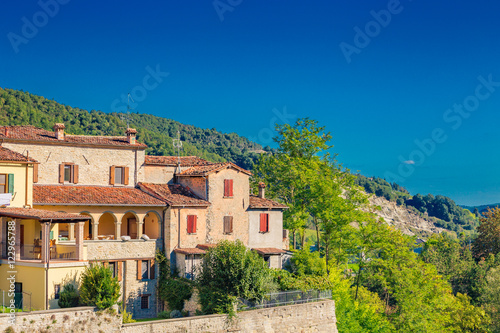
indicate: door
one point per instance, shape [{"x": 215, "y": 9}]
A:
[
  {"x": 132, "y": 228},
  {"x": 18, "y": 295}
]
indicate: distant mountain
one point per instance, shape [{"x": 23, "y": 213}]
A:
[
  {"x": 481, "y": 209},
  {"x": 22, "y": 108}
]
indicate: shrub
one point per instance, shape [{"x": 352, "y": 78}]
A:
[
  {"x": 98, "y": 287},
  {"x": 164, "y": 315},
  {"x": 69, "y": 297},
  {"x": 175, "y": 291},
  {"x": 175, "y": 314}
]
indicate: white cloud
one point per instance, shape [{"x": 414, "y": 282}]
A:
[{"x": 409, "y": 162}]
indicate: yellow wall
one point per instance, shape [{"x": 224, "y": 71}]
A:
[
  {"x": 33, "y": 280},
  {"x": 62, "y": 276},
  {"x": 106, "y": 225},
  {"x": 19, "y": 171}
]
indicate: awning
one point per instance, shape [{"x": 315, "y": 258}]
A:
[
  {"x": 192, "y": 250},
  {"x": 41, "y": 215},
  {"x": 268, "y": 250}
]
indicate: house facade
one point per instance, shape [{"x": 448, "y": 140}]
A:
[{"x": 74, "y": 200}]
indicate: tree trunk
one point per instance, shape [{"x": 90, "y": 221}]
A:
[
  {"x": 293, "y": 239},
  {"x": 303, "y": 238},
  {"x": 317, "y": 234},
  {"x": 326, "y": 258}
]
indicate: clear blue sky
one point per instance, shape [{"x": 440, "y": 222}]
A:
[{"x": 231, "y": 66}]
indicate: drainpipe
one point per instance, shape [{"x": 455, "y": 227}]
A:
[
  {"x": 26, "y": 189},
  {"x": 47, "y": 251},
  {"x": 179, "y": 228}
]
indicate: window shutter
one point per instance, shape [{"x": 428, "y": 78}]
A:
[
  {"x": 226, "y": 187},
  {"x": 230, "y": 187},
  {"x": 106, "y": 264},
  {"x": 10, "y": 181},
  {"x": 75, "y": 174},
  {"x": 194, "y": 223},
  {"x": 267, "y": 222},
  {"x": 112, "y": 175},
  {"x": 35, "y": 173},
  {"x": 125, "y": 176},
  {"x": 61, "y": 173},
  {"x": 230, "y": 224},
  {"x": 120, "y": 270},
  {"x": 189, "y": 224},
  {"x": 152, "y": 270},
  {"x": 264, "y": 222},
  {"x": 139, "y": 268}
]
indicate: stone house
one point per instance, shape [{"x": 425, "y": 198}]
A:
[{"x": 77, "y": 199}]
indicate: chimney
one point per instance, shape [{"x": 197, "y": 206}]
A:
[
  {"x": 262, "y": 190},
  {"x": 59, "y": 131},
  {"x": 131, "y": 132}
]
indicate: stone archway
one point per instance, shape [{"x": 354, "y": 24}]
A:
[
  {"x": 129, "y": 225},
  {"x": 106, "y": 227},
  {"x": 151, "y": 225}
]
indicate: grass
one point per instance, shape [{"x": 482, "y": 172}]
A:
[{"x": 148, "y": 319}]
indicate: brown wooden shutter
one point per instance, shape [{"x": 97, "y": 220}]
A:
[
  {"x": 75, "y": 174},
  {"x": 112, "y": 175},
  {"x": 120, "y": 270},
  {"x": 61, "y": 173},
  {"x": 230, "y": 187},
  {"x": 125, "y": 175},
  {"x": 152, "y": 270},
  {"x": 139, "y": 268},
  {"x": 226, "y": 187},
  {"x": 35, "y": 173},
  {"x": 264, "y": 227},
  {"x": 267, "y": 222},
  {"x": 228, "y": 224}
]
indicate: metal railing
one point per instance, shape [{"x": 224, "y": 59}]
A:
[{"x": 285, "y": 298}]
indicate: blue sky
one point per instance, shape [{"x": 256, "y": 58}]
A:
[{"x": 382, "y": 76}]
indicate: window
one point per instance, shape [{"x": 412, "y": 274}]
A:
[
  {"x": 191, "y": 224},
  {"x": 145, "y": 302},
  {"x": 264, "y": 222},
  {"x": 57, "y": 290},
  {"x": 228, "y": 188},
  {"x": 119, "y": 175},
  {"x": 116, "y": 268},
  {"x": 68, "y": 173},
  {"x": 145, "y": 269},
  {"x": 112, "y": 268},
  {"x": 3, "y": 183},
  {"x": 228, "y": 224}
]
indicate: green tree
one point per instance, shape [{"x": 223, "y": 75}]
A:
[
  {"x": 488, "y": 239},
  {"x": 98, "y": 287}
]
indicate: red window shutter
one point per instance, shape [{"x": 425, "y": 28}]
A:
[
  {"x": 267, "y": 222},
  {"x": 152, "y": 270},
  {"x": 139, "y": 267},
  {"x": 35, "y": 173},
  {"x": 230, "y": 187},
  {"x": 61, "y": 173},
  {"x": 125, "y": 175},
  {"x": 262, "y": 222},
  {"x": 226, "y": 187},
  {"x": 191, "y": 224},
  {"x": 120, "y": 270},
  {"x": 111, "y": 176},
  {"x": 75, "y": 174},
  {"x": 195, "y": 218}
]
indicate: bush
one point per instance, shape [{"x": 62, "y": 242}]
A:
[
  {"x": 69, "y": 297},
  {"x": 175, "y": 314},
  {"x": 304, "y": 262},
  {"x": 99, "y": 288},
  {"x": 175, "y": 291},
  {"x": 164, "y": 315}
]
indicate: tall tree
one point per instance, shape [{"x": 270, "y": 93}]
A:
[{"x": 488, "y": 239}]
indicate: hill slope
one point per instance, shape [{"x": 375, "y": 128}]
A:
[{"x": 22, "y": 108}]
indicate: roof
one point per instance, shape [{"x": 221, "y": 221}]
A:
[
  {"x": 12, "y": 156},
  {"x": 173, "y": 160},
  {"x": 31, "y": 133},
  {"x": 257, "y": 202},
  {"x": 204, "y": 170},
  {"x": 92, "y": 195},
  {"x": 206, "y": 246},
  {"x": 173, "y": 194},
  {"x": 40, "y": 214},
  {"x": 268, "y": 250},
  {"x": 192, "y": 250}
]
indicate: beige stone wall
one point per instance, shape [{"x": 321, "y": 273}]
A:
[
  {"x": 310, "y": 317},
  {"x": 273, "y": 238},
  {"x": 82, "y": 319},
  {"x": 133, "y": 288},
  {"x": 176, "y": 232},
  {"x": 157, "y": 174},
  {"x": 197, "y": 185},
  {"x": 94, "y": 163},
  {"x": 117, "y": 249},
  {"x": 235, "y": 206}
]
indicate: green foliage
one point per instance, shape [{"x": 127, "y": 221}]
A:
[
  {"x": 175, "y": 314},
  {"x": 98, "y": 287},
  {"x": 305, "y": 262},
  {"x": 229, "y": 271},
  {"x": 22, "y": 108},
  {"x": 164, "y": 315},
  {"x": 488, "y": 239},
  {"x": 69, "y": 297},
  {"x": 126, "y": 316}
]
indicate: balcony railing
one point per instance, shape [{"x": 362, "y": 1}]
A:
[
  {"x": 34, "y": 252},
  {"x": 286, "y": 298}
]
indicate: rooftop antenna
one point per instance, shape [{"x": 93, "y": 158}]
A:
[
  {"x": 127, "y": 116},
  {"x": 177, "y": 143}
]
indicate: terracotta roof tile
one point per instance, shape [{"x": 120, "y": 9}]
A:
[
  {"x": 206, "y": 246},
  {"x": 92, "y": 195},
  {"x": 268, "y": 250},
  {"x": 192, "y": 250},
  {"x": 9, "y": 155},
  {"x": 40, "y": 214},
  {"x": 31, "y": 133},
  {"x": 256, "y": 202},
  {"x": 205, "y": 170},
  {"x": 173, "y": 194},
  {"x": 173, "y": 160}
]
